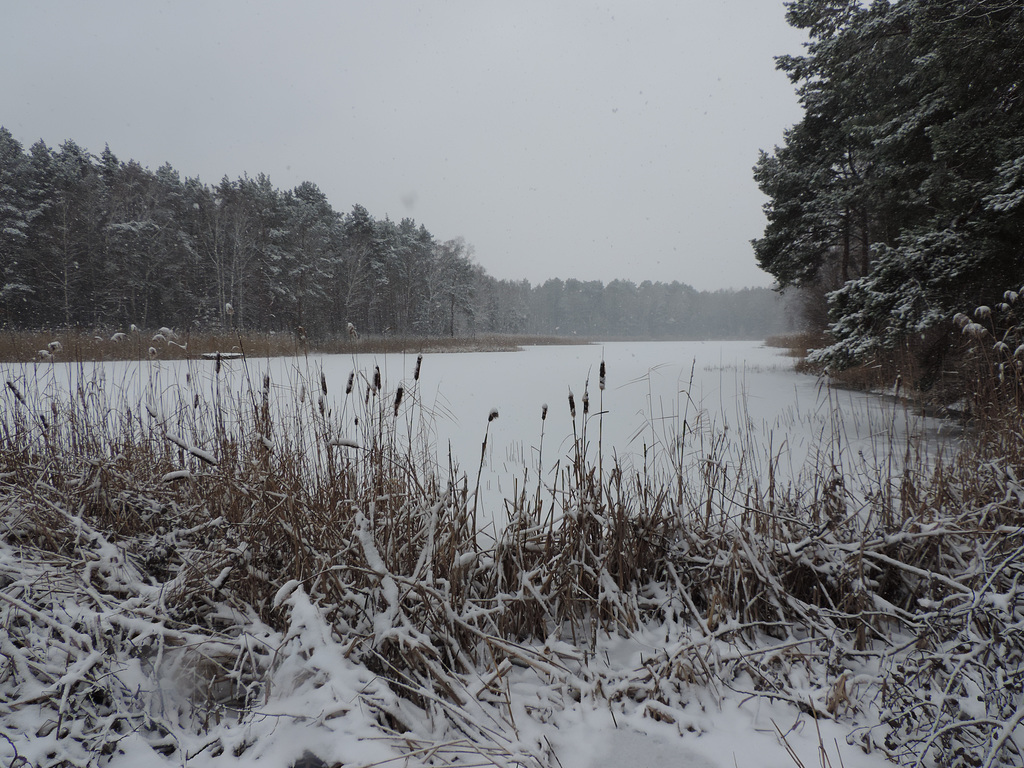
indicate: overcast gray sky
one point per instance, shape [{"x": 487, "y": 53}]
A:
[{"x": 561, "y": 139}]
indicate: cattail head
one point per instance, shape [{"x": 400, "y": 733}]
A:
[
  {"x": 302, "y": 393},
  {"x": 492, "y": 415},
  {"x": 600, "y": 380},
  {"x": 544, "y": 412},
  {"x": 351, "y": 381},
  {"x": 323, "y": 383},
  {"x": 572, "y": 404},
  {"x": 376, "y": 378},
  {"x": 586, "y": 401},
  {"x": 16, "y": 392},
  {"x": 152, "y": 353},
  {"x": 419, "y": 362},
  {"x": 398, "y": 398},
  {"x": 983, "y": 312}
]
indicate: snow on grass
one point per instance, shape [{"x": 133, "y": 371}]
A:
[{"x": 342, "y": 603}]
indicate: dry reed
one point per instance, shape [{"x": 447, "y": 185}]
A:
[
  {"x": 224, "y": 507},
  {"x": 78, "y": 345}
]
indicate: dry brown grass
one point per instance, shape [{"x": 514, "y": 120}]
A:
[
  {"x": 798, "y": 344},
  {"x": 77, "y": 345},
  {"x": 225, "y": 501},
  {"x": 926, "y": 371}
]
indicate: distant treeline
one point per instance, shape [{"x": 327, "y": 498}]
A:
[{"x": 95, "y": 242}]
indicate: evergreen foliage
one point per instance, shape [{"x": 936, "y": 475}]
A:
[
  {"x": 901, "y": 191},
  {"x": 99, "y": 243}
]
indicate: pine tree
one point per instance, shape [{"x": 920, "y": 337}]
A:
[
  {"x": 314, "y": 231},
  {"x": 16, "y": 286},
  {"x": 899, "y": 188}
]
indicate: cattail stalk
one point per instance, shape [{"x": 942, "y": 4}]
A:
[
  {"x": 600, "y": 428},
  {"x": 540, "y": 458},
  {"x": 575, "y": 438},
  {"x": 480, "y": 469}
]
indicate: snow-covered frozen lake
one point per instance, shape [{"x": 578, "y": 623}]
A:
[
  {"x": 743, "y": 391},
  {"x": 739, "y": 401}
]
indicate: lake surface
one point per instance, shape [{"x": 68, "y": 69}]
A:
[{"x": 664, "y": 404}]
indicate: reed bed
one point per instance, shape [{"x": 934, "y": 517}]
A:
[
  {"x": 76, "y": 345},
  {"x": 177, "y": 563}
]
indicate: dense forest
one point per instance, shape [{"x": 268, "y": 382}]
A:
[
  {"x": 95, "y": 242},
  {"x": 899, "y": 197}
]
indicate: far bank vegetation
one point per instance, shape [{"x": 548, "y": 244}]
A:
[{"x": 98, "y": 244}]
